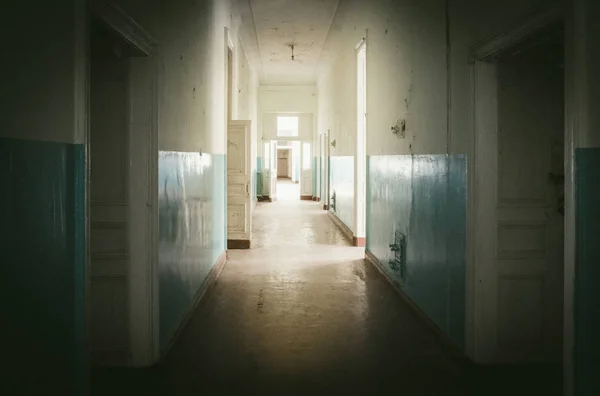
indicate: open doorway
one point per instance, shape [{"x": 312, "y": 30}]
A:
[
  {"x": 518, "y": 232},
  {"x": 123, "y": 210},
  {"x": 360, "y": 163},
  {"x": 109, "y": 203},
  {"x": 284, "y": 163},
  {"x": 288, "y": 183}
]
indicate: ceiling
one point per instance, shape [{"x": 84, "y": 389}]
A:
[{"x": 281, "y": 23}]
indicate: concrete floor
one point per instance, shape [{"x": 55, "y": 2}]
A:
[{"x": 302, "y": 313}]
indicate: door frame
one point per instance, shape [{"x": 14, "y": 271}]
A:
[
  {"x": 360, "y": 163},
  {"x": 326, "y": 176},
  {"x": 480, "y": 333},
  {"x": 289, "y": 165},
  {"x": 145, "y": 349},
  {"x": 306, "y": 197},
  {"x": 228, "y": 45}
]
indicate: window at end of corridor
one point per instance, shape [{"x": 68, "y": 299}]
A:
[{"x": 287, "y": 126}]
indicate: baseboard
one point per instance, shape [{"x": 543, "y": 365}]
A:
[
  {"x": 265, "y": 198},
  {"x": 446, "y": 343},
  {"x": 343, "y": 227},
  {"x": 314, "y": 198},
  {"x": 325, "y": 207},
  {"x": 354, "y": 240},
  {"x": 306, "y": 197},
  {"x": 359, "y": 241},
  {"x": 238, "y": 244},
  {"x": 208, "y": 283}
]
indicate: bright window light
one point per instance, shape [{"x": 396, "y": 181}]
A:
[{"x": 287, "y": 126}]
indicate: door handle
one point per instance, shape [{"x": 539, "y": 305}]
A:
[{"x": 247, "y": 188}]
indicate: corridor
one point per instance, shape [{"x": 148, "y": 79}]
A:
[
  {"x": 300, "y": 313},
  {"x": 191, "y": 189}
]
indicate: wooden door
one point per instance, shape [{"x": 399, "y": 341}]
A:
[
  {"x": 521, "y": 260},
  {"x": 283, "y": 163},
  {"x": 239, "y": 216},
  {"x": 108, "y": 204}
]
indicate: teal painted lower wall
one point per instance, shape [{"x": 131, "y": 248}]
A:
[
  {"x": 259, "y": 181},
  {"x": 42, "y": 276},
  {"x": 424, "y": 197},
  {"x": 587, "y": 272},
  {"x": 191, "y": 230},
  {"x": 341, "y": 181}
]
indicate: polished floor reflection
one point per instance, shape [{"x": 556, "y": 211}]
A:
[{"x": 301, "y": 313}]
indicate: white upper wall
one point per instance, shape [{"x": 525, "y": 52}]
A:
[
  {"x": 405, "y": 76},
  {"x": 408, "y": 73},
  {"x": 301, "y": 100},
  {"x": 292, "y": 99},
  {"x": 191, "y": 57}
]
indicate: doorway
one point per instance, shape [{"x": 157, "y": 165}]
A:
[
  {"x": 109, "y": 203},
  {"x": 288, "y": 183},
  {"x": 123, "y": 218},
  {"x": 239, "y": 168},
  {"x": 229, "y": 83},
  {"x": 360, "y": 164},
  {"x": 284, "y": 163},
  {"x": 519, "y": 193}
]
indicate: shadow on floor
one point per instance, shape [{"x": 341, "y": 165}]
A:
[
  {"x": 488, "y": 381},
  {"x": 301, "y": 314}
]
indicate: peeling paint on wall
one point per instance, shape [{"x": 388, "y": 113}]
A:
[
  {"x": 423, "y": 197},
  {"x": 191, "y": 231}
]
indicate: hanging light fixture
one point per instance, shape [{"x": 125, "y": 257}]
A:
[{"x": 292, "y": 47}]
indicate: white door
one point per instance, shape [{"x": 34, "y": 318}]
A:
[
  {"x": 306, "y": 171},
  {"x": 109, "y": 209},
  {"x": 239, "y": 216},
  {"x": 521, "y": 257}
]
